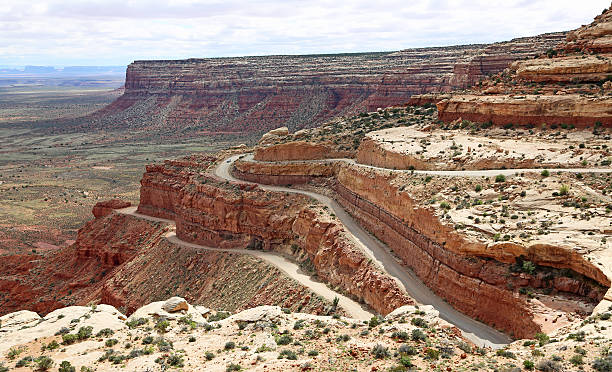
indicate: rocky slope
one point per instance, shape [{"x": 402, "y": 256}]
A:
[
  {"x": 253, "y": 94},
  {"x": 125, "y": 261},
  {"x": 568, "y": 85},
  {"x": 174, "y": 334}
]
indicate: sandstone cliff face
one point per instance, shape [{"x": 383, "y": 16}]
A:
[
  {"x": 474, "y": 277},
  {"x": 252, "y": 94},
  {"x": 528, "y": 109},
  {"x": 563, "y": 79},
  {"x": 210, "y": 212}
]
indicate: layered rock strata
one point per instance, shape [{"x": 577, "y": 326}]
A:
[
  {"x": 568, "y": 85},
  {"x": 474, "y": 277},
  {"x": 211, "y": 212},
  {"x": 253, "y": 94}
]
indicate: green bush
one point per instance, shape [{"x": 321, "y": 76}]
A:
[
  {"x": 545, "y": 173},
  {"x": 548, "y": 365},
  {"x": 175, "y": 360},
  {"x": 65, "y": 366},
  {"x": 283, "y": 339},
  {"x": 419, "y": 322},
  {"x": 542, "y": 338},
  {"x": 418, "y": 335},
  {"x": 603, "y": 364},
  {"x": 111, "y": 342},
  {"x": 69, "y": 339},
  {"x": 137, "y": 322},
  {"x": 313, "y": 353},
  {"x": 379, "y": 351},
  {"x": 432, "y": 354},
  {"x": 209, "y": 355},
  {"x": 229, "y": 345},
  {"x": 478, "y": 188},
  {"x": 44, "y": 363},
  {"x": 287, "y": 354},
  {"x": 233, "y": 367},
  {"x": 528, "y": 364},
  {"x": 219, "y": 315},
  {"x": 162, "y": 326},
  {"x": 106, "y": 332},
  {"x": 576, "y": 360},
  {"x": 407, "y": 350},
  {"x": 500, "y": 178}
]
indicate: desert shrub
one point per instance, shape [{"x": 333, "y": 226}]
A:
[
  {"x": 62, "y": 331},
  {"x": 400, "y": 335},
  {"x": 542, "y": 338},
  {"x": 299, "y": 324},
  {"x": 528, "y": 365},
  {"x": 500, "y": 178},
  {"x": 407, "y": 350},
  {"x": 209, "y": 355},
  {"x": 374, "y": 322},
  {"x": 84, "y": 332},
  {"x": 548, "y": 365},
  {"x": 313, "y": 353},
  {"x": 65, "y": 366},
  {"x": 505, "y": 354},
  {"x": 379, "y": 351},
  {"x": 287, "y": 354},
  {"x": 147, "y": 340},
  {"x": 576, "y": 360},
  {"x": 229, "y": 345},
  {"x": 545, "y": 173},
  {"x": 418, "y": 335},
  {"x": 13, "y": 352},
  {"x": 603, "y": 364},
  {"x": 162, "y": 325},
  {"x": 433, "y": 354},
  {"x": 283, "y": 339},
  {"x": 578, "y": 336},
  {"x": 478, "y": 188},
  {"x": 105, "y": 332},
  {"x": 44, "y": 363},
  {"x": 24, "y": 362},
  {"x": 175, "y": 360},
  {"x": 419, "y": 322},
  {"x": 563, "y": 190},
  {"x": 111, "y": 342},
  {"x": 3, "y": 368},
  {"x": 233, "y": 367},
  {"x": 137, "y": 322},
  {"x": 343, "y": 338},
  {"x": 69, "y": 339},
  {"x": 219, "y": 315}
]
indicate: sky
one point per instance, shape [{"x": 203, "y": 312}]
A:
[{"x": 117, "y": 32}]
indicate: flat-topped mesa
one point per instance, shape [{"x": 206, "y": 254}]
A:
[
  {"x": 569, "y": 85},
  {"x": 253, "y": 94}
]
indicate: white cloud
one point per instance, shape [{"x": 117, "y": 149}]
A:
[{"x": 69, "y": 32}]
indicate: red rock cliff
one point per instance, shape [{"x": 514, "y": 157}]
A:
[{"x": 247, "y": 94}]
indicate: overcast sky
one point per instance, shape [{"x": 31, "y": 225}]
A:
[{"x": 116, "y": 32}]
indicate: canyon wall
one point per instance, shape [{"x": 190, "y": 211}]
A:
[
  {"x": 254, "y": 94},
  {"x": 216, "y": 213},
  {"x": 568, "y": 85},
  {"x": 125, "y": 261},
  {"x": 472, "y": 276}
]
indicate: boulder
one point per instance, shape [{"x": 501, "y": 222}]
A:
[
  {"x": 156, "y": 310},
  {"x": 174, "y": 304}
]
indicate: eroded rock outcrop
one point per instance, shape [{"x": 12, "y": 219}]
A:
[
  {"x": 565, "y": 86},
  {"x": 211, "y": 212},
  {"x": 252, "y": 94}
]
